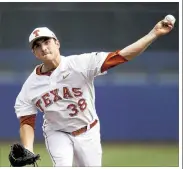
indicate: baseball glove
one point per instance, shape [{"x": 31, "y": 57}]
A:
[{"x": 20, "y": 156}]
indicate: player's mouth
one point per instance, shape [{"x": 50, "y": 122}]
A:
[{"x": 45, "y": 54}]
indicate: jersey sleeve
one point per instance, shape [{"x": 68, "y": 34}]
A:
[
  {"x": 89, "y": 63},
  {"x": 97, "y": 63},
  {"x": 102, "y": 61},
  {"x": 23, "y": 106},
  {"x": 113, "y": 59}
]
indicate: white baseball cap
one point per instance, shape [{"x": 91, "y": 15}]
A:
[{"x": 40, "y": 32}]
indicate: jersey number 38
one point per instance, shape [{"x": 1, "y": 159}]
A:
[{"x": 76, "y": 107}]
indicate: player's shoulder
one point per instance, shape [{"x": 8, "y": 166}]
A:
[
  {"x": 83, "y": 56},
  {"x": 76, "y": 58}
]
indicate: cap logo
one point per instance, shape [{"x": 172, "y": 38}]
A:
[{"x": 36, "y": 32}]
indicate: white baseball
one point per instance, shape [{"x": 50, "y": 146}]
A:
[{"x": 170, "y": 18}]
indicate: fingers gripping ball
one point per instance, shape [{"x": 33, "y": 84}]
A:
[
  {"x": 20, "y": 156},
  {"x": 170, "y": 18}
]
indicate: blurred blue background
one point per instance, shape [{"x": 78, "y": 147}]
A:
[{"x": 137, "y": 100}]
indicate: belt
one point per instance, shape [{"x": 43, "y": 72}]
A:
[{"x": 83, "y": 129}]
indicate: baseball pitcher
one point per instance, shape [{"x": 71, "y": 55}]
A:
[{"x": 62, "y": 89}]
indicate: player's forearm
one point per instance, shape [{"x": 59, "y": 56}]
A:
[
  {"x": 138, "y": 47},
  {"x": 27, "y": 136}
]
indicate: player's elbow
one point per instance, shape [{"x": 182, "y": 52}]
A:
[{"x": 28, "y": 120}]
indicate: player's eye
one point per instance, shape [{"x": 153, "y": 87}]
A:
[
  {"x": 36, "y": 46},
  {"x": 47, "y": 42}
]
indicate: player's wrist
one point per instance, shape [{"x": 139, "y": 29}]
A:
[
  {"x": 153, "y": 35},
  {"x": 29, "y": 148}
]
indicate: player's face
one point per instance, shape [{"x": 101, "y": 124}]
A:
[{"x": 46, "y": 49}]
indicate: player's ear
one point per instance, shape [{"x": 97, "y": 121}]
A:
[
  {"x": 57, "y": 43},
  {"x": 33, "y": 51}
]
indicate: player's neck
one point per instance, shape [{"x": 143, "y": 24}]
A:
[{"x": 51, "y": 65}]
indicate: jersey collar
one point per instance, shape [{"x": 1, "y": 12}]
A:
[{"x": 60, "y": 66}]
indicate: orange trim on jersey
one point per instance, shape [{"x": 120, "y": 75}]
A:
[
  {"x": 38, "y": 71},
  {"x": 29, "y": 120},
  {"x": 113, "y": 59}
]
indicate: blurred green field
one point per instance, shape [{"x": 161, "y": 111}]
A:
[{"x": 116, "y": 155}]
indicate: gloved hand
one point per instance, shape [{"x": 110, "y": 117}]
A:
[{"x": 20, "y": 156}]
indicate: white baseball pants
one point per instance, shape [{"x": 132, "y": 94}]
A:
[{"x": 83, "y": 150}]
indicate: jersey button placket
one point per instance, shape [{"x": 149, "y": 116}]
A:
[{"x": 52, "y": 81}]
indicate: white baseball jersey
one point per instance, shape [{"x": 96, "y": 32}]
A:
[{"x": 67, "y": 96}]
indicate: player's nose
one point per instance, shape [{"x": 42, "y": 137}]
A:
[{"x": 43, "y": 48}]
